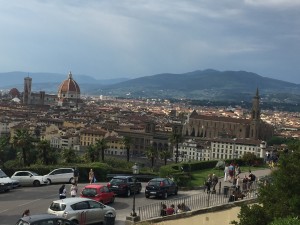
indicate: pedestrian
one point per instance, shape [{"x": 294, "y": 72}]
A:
[
  {"x": 62, "y": 192},
  {"x": 163, "y": 211},
  {"x": 208, "y": 183},
  {"x": 73, "y": 190},
  {"x": 26, "y": 213},
  {"x": 179, "y": 209},
  {"x": 184, "y": 207},
  {"x": 226, "y": 172},
  {"x": 171, "y": 210},
  {"x": 75, "y": 175},
  {"x": 237, "y": 170},
  {"x": 91, "y": 176},
  {"x": 215, "y": 181},
  {"x": 231, "y": 172}
]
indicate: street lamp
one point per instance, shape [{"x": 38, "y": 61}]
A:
[{"x": 135, "y": 171}]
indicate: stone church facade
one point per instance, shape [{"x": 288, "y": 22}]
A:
[{"x": 209, "y": 127}]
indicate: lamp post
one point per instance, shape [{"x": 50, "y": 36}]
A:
[{"x": 135, "y": 171}]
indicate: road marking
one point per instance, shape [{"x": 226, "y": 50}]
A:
[
  {"x": 29, "y": 202},
  {"x": 4, "y": 211}
]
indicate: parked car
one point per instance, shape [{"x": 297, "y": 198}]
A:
[
  {"x": 81, "y": 210},
  {"x": 124, "y": 185},
  {"x": 99, "y": 193},
  {"x": 29, "y": 178},
  {"x": 60, "y": 175},
  {"x": 5, "y": 182},
  {"x": 161, "y": 187},
  {"x": 43, "y": 219}
]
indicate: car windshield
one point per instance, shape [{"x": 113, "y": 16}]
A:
[
  {"x": 154, "y": 182},
  {"x": 2, "y": 174},
  {"x": 57, "y": 207},
  {"x": 117, "y": 181},
  {"x": 89, "y": 192}
]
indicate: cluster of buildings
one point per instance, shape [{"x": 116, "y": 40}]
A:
[{"x": 68, "y": 121}]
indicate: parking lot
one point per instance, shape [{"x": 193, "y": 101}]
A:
[{"x": 38, "y": 199}]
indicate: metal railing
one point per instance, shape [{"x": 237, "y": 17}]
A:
[{"x": 202, "y": 200}]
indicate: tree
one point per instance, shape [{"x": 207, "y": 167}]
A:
[
  {"x": 280, "y": 197},
  {"x": 151, "y": 154},
  {"x": 165, "y": 154},
  {"x": 23, "y": 140},
  {"x": 175, "y": 139},
  {"x": 44, "y": 151},
  {"x": 127, "y": 142},
  {"x": 91, "y": 153},
  {"x": 4, "y": 141},
  {"x": 102, "y": 145},
  {"x": 69, "y": 155}
]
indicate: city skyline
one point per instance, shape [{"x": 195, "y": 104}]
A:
[{"x": 114, "y": 39}]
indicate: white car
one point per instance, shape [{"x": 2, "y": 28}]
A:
[
  {"x": 82, "y": 210},
  {"x": 60, "y": 175},
  {"x": 29, "y": 178}
]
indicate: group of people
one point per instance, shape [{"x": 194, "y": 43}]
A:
[
  {"x": 231, "y": 171},
  {"x": 74, "y": 187},
  {"x": 166, "y": 211}
]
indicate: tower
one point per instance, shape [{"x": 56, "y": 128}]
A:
[
  {"x": 27, "y": 91},
  {"x": 255, "y": 117}
]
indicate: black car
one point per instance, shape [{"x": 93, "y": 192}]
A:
[
  {"x": 43, "y": 219},
  {"x": 161, "y": 187},
  {"x": 124, "y": 185}
]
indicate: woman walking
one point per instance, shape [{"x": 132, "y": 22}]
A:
[
  {"x": 62, "y": 192},
  {"x": 91, "y": 176}
]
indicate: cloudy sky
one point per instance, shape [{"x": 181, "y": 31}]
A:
[{"x": 132, "y": 38}]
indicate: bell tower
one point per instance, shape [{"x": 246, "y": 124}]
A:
[{"x": 255, "y": 116}]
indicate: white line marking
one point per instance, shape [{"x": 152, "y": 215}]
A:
[{"x": 29, "y": 202}]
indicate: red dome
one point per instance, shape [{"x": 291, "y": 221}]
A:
[
  {"x": 14, "y": 92},
  {"x": 69, "y": 86}
]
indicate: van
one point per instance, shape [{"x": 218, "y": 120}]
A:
[
  {"x": 60, "y": 175},
  {"x": 5, "y": 182}
]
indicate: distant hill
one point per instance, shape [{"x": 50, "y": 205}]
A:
[
  {"x": 207, "y": 84},
  {"x": 50, "y": 82}
]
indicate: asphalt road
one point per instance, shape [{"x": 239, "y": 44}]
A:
[{"x": 38, "y": 199}]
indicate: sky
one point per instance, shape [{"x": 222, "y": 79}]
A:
[{"x": 109, "y": 39}]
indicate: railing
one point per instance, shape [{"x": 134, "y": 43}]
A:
[{"x": 200, "y": 201}]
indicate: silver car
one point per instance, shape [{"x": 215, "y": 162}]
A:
[
  {"x": 60, "y": 175},
  {"x": 81, "y": 210},
  {"x": 29, "y": 178}
]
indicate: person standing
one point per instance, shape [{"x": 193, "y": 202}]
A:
[
  {"x": 62, "y": 192},
  {"x": 91, "y": 176},
  {"x": 226, "y": 172},
  {"x": 26, "y": 213},
  {"x": 76, "y": 175},
  {"x": 73, "y": 190}
]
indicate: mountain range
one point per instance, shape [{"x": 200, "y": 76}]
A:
[{"x": 208, "y": 84}]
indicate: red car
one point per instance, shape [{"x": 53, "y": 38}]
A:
[{"x": 99, "y": 193}]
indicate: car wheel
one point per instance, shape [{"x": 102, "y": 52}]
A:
[
  {"x": 112, "y": 200},
  {"x": 36, "y": 183},
  {"x": 128, "y": 193},
  {"x": 71, "y": 181},
  {"x": 165, "y": 195},
  {"x": 49, "y": 181},
  {"x": 176, "y": 192},
  {"x": 75, "y": 222},
  {"x": 147, "y": 196}
]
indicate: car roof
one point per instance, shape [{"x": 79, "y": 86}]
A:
[
  {"x": 121, "y": 177},
  {"x": 63, "y": 168},
  {"x": 72, "y": 200},
  {"x": 33, "y": 218},
  {"x": 94, "y": 186},
  {"x": 29, "y": 171}
]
